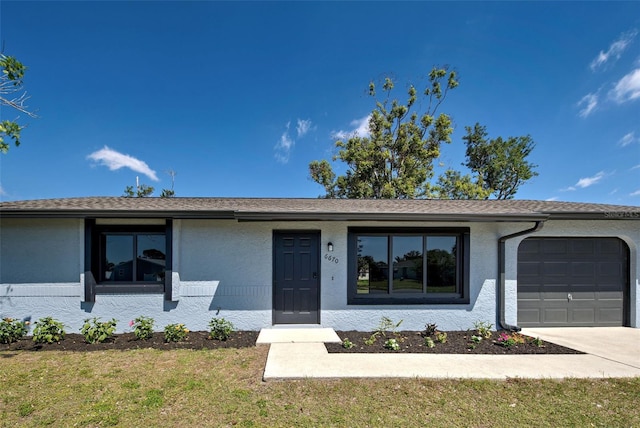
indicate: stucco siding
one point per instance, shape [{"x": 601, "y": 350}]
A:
[
  {"x": 40, "y": 250},
  {"x": 224, "y": 268}
]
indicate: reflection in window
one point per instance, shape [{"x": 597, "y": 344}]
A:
[
  {"x": 118, "y": 262},
  {"x": 420, "y": 264},
  {"x": 441, "y": 264},
  {"x": 407, "y": 264},
  {"x": 373, "y": 268}
]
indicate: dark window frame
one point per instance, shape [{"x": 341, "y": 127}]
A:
[
  {"x": 403, "y": 298},
  {"x": 94, "y": 250}
]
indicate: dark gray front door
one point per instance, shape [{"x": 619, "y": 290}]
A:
[
  {"x": 573, "y": 282},
  {"x": 296, "y": 277}
]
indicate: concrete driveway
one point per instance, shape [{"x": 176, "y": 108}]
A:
[{"x": 619, "y": 344}]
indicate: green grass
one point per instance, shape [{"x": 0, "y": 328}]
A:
[{"x": 224, "y": 388}]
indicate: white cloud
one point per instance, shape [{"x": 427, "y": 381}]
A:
[
  {"x": 636, "y": 193},
  {"x": 284, "y": 146},
  {"x": 590, "y": 102},
  {"x": 554, "y": 198},
  {"x": 627, "y": 88},
  {"x": 304, "y": 126},
  {"x": 615, "y": 50},
  {"x": 590, "y": 181},
  {"x": 115, "y": 160},
  {"x": 627, "y": 139},
  {"x": 359, "y": 128},
  {"x": 2, "y": 191},
  {"x": 636, "y": 167}
]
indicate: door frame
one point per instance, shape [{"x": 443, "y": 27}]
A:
[{"x": 277, "y": 232}]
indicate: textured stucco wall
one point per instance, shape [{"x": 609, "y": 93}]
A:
[
  {"x": 224, "y": 268},
  {"x": 40, "y": 250}
]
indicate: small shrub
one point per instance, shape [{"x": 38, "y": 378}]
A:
[
  {"x": 476, "y": 339},
  {"x": 220, "y": 329},
  {"x": 430, "y": 330},
  {"x": 95, "y": 331},
  {"x": 48, "y": 330},
  {"x": 429, "y": 343},
  {"x": 11, "y": 330},
  {"x": 175, "y": 333},
  {"x": 387, "y": 326},
  {"x": 537, "y": 342},
  {"x": 508, "y": 340},
  {"x": 483, "y": 329},
  {"x": 371, "y": 340},
  {"x": 142, "y": 327},
  {"x": 347, "y": 344},
  {"x": 392, "y": 344},
  {"x": 441, "y": 337}
]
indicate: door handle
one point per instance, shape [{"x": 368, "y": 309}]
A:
[
  {"x": 569, "y": 297},
  {"x": 315, "y": 275}
]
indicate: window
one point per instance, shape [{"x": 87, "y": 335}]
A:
[
  {"x": 408, "y": 265},
  {"x": 127, "y": 258}
]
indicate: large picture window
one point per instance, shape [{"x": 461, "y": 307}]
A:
[
  {"x": 408, "y": 265},
  {"x": 128, "y": 258}
]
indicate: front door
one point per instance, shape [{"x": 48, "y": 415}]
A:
[{"x": 296, "y": 277}]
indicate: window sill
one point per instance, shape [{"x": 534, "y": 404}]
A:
[
  {"x": 130, "y": 288},
  {"x": 407, "y": 301}
]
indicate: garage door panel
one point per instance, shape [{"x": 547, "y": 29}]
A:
[
  {"x": 583, "y": 269},
  {"x": 572, "y": 281},
  {"x": 613, "y": 269},
  {"x": 583, "y": 316},
  {"x": 555, "y": 316},
  {"x": 611, "y": 316},
  {"x": 583, "y": 246},
  {"x": 553, "y": 246}
]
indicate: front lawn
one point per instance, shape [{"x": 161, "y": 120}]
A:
[{"x": 223, "y": 387}]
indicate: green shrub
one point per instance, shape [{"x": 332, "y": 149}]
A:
[
  {"x": 347, "y": 344},
  {"x": 220, "y": 329},
  {"x": 175, "y": 333},
  {"x": 48, "y": 330},
  {"x": 483, "y": 329},
  {"x": 11, "y": 330},
  {"x": 441, "y": 337},
  {"x": 95, "y": 331},
  {"x": 142, "y": 327},
  {"x": 392, "y": 344},
  {"x": 429, "y": 343}
]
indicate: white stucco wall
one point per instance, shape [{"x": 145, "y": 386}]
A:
[{"x": 224, "y": 268}]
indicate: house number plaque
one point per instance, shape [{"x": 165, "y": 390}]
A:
[{"x": 331, "y": 258}]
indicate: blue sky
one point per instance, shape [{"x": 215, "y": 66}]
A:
[{"x": 238, "y": 97}]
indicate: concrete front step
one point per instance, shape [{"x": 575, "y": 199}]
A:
[{"x": 291, "y": 334}]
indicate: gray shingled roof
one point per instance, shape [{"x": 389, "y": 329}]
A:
[{"x": 315, "y": 209}]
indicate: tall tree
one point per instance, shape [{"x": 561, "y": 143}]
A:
[
  {"x": 396, "y": 159},
  {"x": 501, "y": 165},
  {"x": 12, "y": 95}
]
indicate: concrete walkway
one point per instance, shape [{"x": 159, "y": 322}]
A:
[{"x": 298, "y": 353}]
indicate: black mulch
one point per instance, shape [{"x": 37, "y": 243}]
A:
[{"x": 458, "y": 342}]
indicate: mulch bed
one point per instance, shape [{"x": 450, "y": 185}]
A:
[
  {"x": 126, "y": 341},
  {"x": 458, "y": 342}
]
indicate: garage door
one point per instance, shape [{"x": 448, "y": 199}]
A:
[{"x": 572, "y": 282}]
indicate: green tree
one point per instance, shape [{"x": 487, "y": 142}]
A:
[
  {"x": 500, "y": 165},
  {"x": 396, "y": 159},
  {"x": 141, "y": 191},
  {"x": 12, "y": 95}
]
